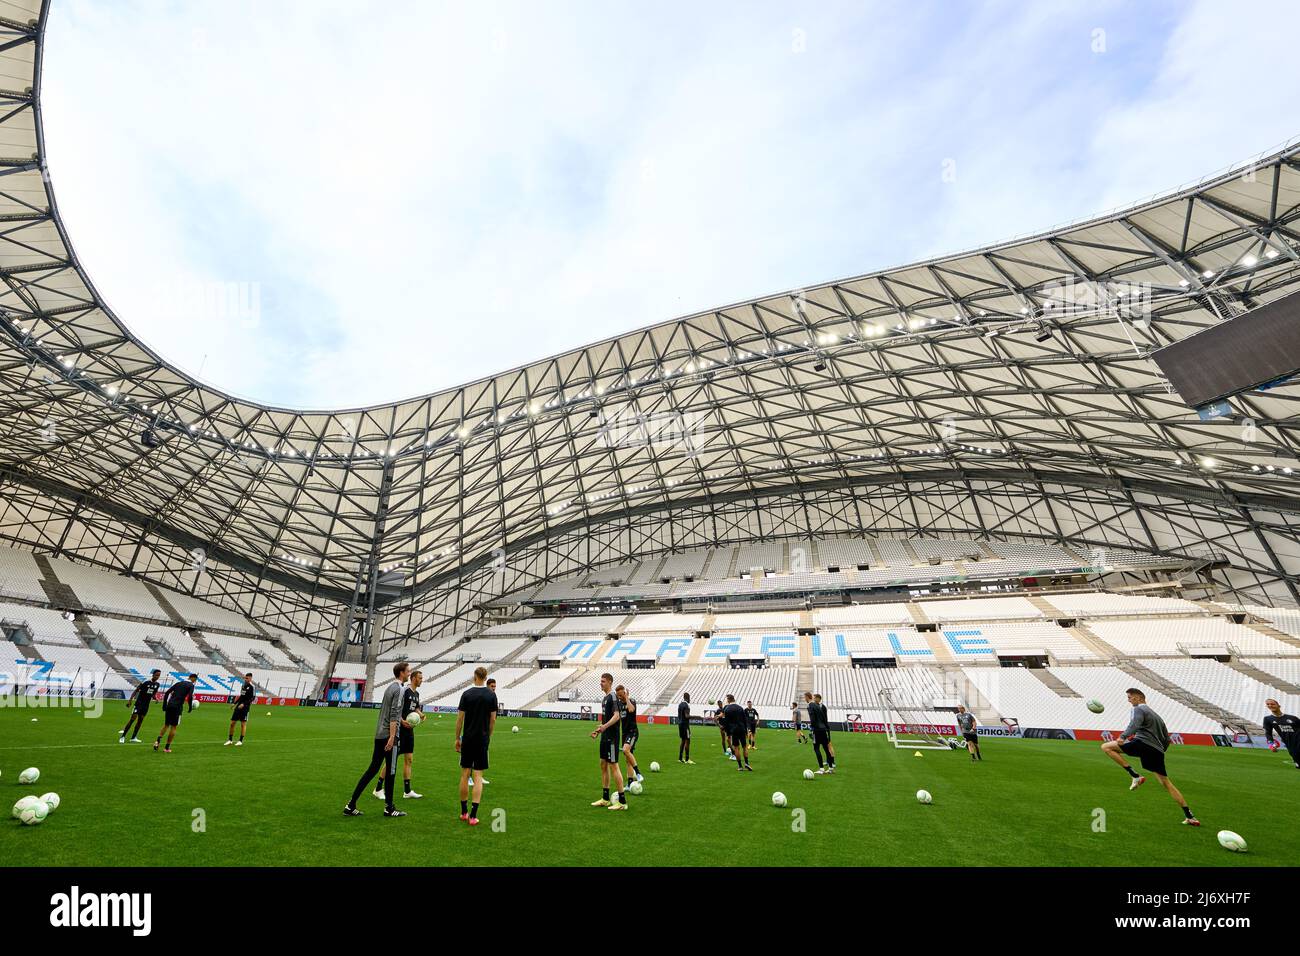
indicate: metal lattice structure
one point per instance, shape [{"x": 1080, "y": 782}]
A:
[{"x": 1004, "y": 392}]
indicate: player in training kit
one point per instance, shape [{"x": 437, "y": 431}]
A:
[
  {"x": 607, "y": 731},
  {"x": 718, "y": 705},
  {"x": 405, "y": 741},
  {"x": 684, "y": 730},
  {"x": 384, "y": 752},
  {"x": 733, "y": 718},
  {"x": 142, "y": 696},
  {"x": 1287, "y": 727},
  {"x": 751, "y": 724},
  {"x": 177, "y": 696},
  {"x": 1146, "y": 738},
  {"x": 627, "y": 721},
  {"x": 966, "y": 723},
  {"x": 239, "y": 715},
  {"x": 476, "y": 718},
  {"x": 820, "y": 727},
  {"x": 794, "y": 719}
]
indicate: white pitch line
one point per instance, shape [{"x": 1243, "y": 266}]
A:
[{"x": 196, "y": 743}]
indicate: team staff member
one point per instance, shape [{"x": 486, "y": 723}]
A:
[
  {"x": 177, "y": 696},
  {"x": 476, "y": 718},
  {"x": 684, "y": 730},
  {"x": 385, "y": 745},
  {"x": 607, "y": 731},
  {"x": 142, "y": 696},
  {"x": 247, "y": 694},
  {"x": 794, "y": 719}
]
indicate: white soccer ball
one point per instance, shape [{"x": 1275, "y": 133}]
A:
[
  {"x": 34, "y": 813},
  {"x": 415, "y": 718},
  {"x": 22, "y": 804},
  {"x": 196, "y": 704},
  {"x": 778, "y": 799},
  {"x": 514, "y": 729},
  {"x": 1232, "y": 841},
  {"x": 654, "y": 766},
  {"x": 1095, "y": 706},
  {"x": 808, "y": 774},
  {"x": 923, "y": 796},
  {"x": 30, "y": 775},
  {"x": 635, "y": 788},
  {"x": 51, "y": 801}
]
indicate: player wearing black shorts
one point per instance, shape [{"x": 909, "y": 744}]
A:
[
  {"x": 627, "y": 723},
  {"x": 177, "y": 696},
  {"x": 476, "y": 718},
  {"x": 751, "y": 724},
  {"x": 1287, "y": 727},
  {"x": 684, "y": 730},
  {"x": 243, "y": 704},
  {"x": 384, "y": 745},
  {"x": 405, "y": 740},
  {"x": 718, "y": 705},
  {"x": 966, "y": 723},
  {"x": 733, "y": 719},
  {"x": 1146, "y": 738},
  {"x": 607, "y": 732},
  {"x": 141, "y": 697},
  {"x": 820, "y": 727}
]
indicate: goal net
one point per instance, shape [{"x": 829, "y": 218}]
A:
[{"x": 906, "y": 724}]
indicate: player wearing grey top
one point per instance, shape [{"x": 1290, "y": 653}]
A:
[
  {"x": 1146, "y": 738},
  {"x": 966, "y": 722},
  {"x": 385, "y": 749}
]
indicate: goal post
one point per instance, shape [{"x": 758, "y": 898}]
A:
[{"x": 906, "y": 725}]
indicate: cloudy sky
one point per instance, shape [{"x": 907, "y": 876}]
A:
[{"x": 321, "y": 204}]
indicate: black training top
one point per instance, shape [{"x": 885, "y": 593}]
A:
[{"x": 478, "y": 704}]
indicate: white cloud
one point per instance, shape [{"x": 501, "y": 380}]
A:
[{"x": 426, "y": 194}]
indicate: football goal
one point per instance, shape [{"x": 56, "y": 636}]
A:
[{"x": 906, "y": 723}]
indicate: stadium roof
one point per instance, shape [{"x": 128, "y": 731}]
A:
[{"x": 1004, "y": 391}]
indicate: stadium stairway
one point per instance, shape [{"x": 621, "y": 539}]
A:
[
  {"x": 907, "y": 546},
  {"x": 1153, "y": 680},
  {"x": 953, "y": 678},
  {"x": 1263, "y": 627},
  {"x": 27, "y": 650},
  {"x": 160, "y": 596},
  {"x": 653, "y": 577},
  {"x": 918, "y": 615},
  {"x": 101, "y": 646},
  {"x": 806, "y": 677},
  {"x": 939, "y": 648},
  {"x": 60, "y": 595},
  {"x": 1092, "y": 642},
  {"x": 731, "y": 565},
  {"x": 989, "y": 552},
  {"x": 1053, "y": 683},
  {"x": 1044, "y": 605},
  {"x": 167, "y": 654},
  {"x": 668, "y": 699},
  {"x": 1269, "y": 680}
]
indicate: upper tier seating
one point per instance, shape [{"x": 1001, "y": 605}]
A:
[
  {"x": 1160, "y": 638},
  {"x": 20, "y": 576},
  {"x": 100, "y": 590}
]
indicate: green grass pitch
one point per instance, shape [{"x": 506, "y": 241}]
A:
[{"x": 278, "y": 800}]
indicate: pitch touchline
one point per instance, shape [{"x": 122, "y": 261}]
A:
[{"x": 196, "y": 743}]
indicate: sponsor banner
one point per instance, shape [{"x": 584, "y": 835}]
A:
[
  {"x": 212, "y": 698},
  {"x": 874, "y": 727},
  {"x": 998, "y": 730},
  {"x": 278, "y": 701},
  {"x": 345, "y": 704}
]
